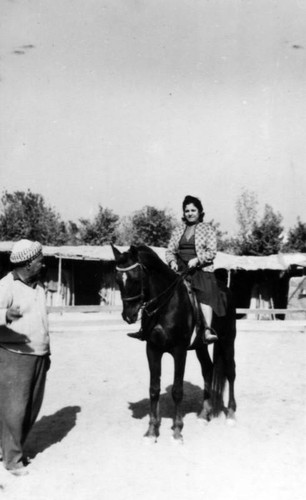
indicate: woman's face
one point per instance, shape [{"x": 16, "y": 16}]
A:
[{"x": 191, "y": 213}]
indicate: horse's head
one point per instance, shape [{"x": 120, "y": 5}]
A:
[{"x": 130, "y": 279}]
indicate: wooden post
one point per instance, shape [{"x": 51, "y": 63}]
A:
[
  {"x": 295, "y": 291},
  {"x": 59, "y": 280},
  {"x": 73, "y": 284},
  {"x": 272, "y": 307},
  {"x": 228, "y": 278}
]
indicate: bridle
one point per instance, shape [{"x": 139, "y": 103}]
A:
[
  {"x": 141, "y": 294},
  {"x": 166, "y": 294}
]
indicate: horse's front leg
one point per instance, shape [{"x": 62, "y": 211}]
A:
[
  {"x": 179, "y": 356},
  {"x": 154, "y": 359}
]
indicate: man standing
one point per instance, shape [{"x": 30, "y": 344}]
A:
[{"x": 24, "y": 351}]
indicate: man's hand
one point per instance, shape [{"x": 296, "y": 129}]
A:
[
  {"x": 13, "y": 313},
  {"x": 48, "y": 362}
]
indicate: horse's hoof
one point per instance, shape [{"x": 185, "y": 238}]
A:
[
  {"x": 230, "y": 417},
  {"x": 177, "y": 440},
  {"x": 231, "y": 421},
  {"x": 205, "y": 415},
  {"x": 203, "y": 421},
  {"x": 149, "y": 440}
]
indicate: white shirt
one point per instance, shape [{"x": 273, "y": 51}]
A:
[{"x": 34, "y": 321}]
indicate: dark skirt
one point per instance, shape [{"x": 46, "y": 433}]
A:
[{"x": 205, "y": 286}]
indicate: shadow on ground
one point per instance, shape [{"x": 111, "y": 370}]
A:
[
  {"x": 50, "y": 430},
  {"x": 192, "y": 402}
]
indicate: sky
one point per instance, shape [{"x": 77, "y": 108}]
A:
[{"x": 127, "y": 103}]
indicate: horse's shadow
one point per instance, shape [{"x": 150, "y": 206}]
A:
[
  {"x": 50, "y": 430},
  {"x": 192, "y": 402}
]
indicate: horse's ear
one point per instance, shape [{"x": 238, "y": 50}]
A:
[{"x": 116, "y": 252}]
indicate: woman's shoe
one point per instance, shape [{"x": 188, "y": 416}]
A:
[
  {"x": 137, "y": 335},
  {"x": 209, "y": 335}
]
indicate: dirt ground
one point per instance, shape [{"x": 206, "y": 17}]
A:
[{"x": 88, "y": 441}]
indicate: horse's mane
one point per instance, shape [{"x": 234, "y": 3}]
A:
[{"x": 150, "y": 258}]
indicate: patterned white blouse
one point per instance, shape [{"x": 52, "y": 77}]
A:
[{"x": 205, "y": 245}]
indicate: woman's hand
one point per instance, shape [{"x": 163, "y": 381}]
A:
[
  {"x": 193, "y": 263},
  {"x": 174, "y": 266}
]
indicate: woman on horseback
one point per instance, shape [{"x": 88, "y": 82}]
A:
[{"x": 193, "y": 245}]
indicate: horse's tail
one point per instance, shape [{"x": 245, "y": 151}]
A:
[
  {"x": 223, "y": 354},
  {"x": 218, "y": 382}
]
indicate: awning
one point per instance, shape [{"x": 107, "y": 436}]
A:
[{"x": 279, "y": 262}]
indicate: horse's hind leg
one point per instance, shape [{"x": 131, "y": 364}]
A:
[
  {"x": 230, "y": 365},
  {"x": 154, "y": 360},
  {"x": 207, "y": 370},
  {"x": 231, "y": 375},
  {"x": 177, "y": 391}
]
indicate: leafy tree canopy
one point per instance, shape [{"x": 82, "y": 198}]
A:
[
  {"x": 26, "y": 215},
  {"x": 246, "y": 209},
  {"x": 124, "y": 230},
  {"x": 100, "y": 231},
  {"x": 255, "y": 237},
  {"x": 151, "y": 226},
  {"x": 296, "y": 238},
  {"x": 266, "y": 237},
  {"x": 222, "y": 239}
]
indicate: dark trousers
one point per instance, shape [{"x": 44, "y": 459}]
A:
[{"x": 22, "y": 384}]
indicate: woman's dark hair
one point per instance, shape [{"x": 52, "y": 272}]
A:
[{"x": 197, "y": 203}]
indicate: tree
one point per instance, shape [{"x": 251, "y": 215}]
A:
[
  {"x": 73, "y": 233},
  {"x": 222, "y": 239},
  {"x": 101, "y": 230},
  {"x": 26, "y": 215},
  {"x": 151, "y": 226},
  {"x": 246, "y": 209},
  {"x": 296, "y": 238},
  {"x": 229, "y": 245},
  {"x": 124, "y": 230},
  {"x": 267, "y": 235},
  {"x": 246, "y": 215},
  {"x": 256, "y": 238}
]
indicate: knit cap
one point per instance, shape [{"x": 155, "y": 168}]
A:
[{"x": 25, "y": 250}]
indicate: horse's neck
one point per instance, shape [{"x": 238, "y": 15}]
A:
[{"x": 158, "y": 283}]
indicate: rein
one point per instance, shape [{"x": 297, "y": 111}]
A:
[
  {"x": 167, "y": 293},
  {"x": 171, "y": 288}
]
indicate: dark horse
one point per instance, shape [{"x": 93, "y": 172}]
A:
[{"x": 168, "y": 320}]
